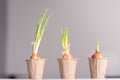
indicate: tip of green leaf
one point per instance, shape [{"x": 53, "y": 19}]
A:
[{"x": 97, "y": 46}]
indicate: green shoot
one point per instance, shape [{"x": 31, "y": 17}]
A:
[
  {"x": 41, "y": 26},
  {"x": 64, "y": 38},
  {"x": 97, "y": 46}
]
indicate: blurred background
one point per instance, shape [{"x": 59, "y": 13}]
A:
[{"x": 89, "y": 21}]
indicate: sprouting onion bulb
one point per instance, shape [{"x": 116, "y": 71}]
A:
[
  {"x": 41, "y": 26},
  {"x": 97, "y": 54},
  {"x": 65, "y": 44}
]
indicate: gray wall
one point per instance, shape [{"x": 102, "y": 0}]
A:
[
  {"x": 2, "y": 37},
  {"x": 89, "y": 21}
]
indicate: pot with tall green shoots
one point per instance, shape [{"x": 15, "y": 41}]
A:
[
  {"x": 35, "y": 64},
  {"x": 67, "y": 64}
]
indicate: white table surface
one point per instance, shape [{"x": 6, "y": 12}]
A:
[{"x": 65, "y": 79}]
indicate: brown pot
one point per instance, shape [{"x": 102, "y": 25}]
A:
[
  {"x": 67, "y": 68},
  {"x": 98, "y": 67},
  {"x": 35, "y": 68}
]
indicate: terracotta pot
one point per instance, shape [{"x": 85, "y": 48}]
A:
[
  {"x": 35, "y": 68},
  {"x": 98, "y": 67},
  {"x": 67, "y": 68}
]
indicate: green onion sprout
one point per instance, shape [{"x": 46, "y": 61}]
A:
[
  {"x": 97, "y": 46},
  {"x": 41, "y": 26},
  {"x": 64, "y": 38}
]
